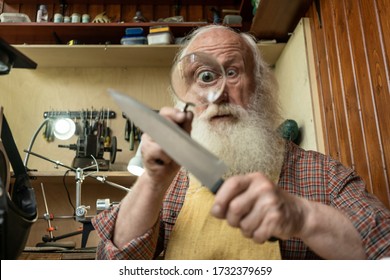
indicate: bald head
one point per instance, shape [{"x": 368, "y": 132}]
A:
[{"x": 214, "y": 38}]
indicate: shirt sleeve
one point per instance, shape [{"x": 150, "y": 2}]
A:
[
  {"x": 368, "y": 215},
  {"x": 141, "y": 248}
]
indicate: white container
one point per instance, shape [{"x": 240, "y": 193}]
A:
[
  {"x": 140, "y": 40},
  {"x": 160, "y": 38},
  {"x": 42, "y": 14},
  {"x": 14, "y": 17}
]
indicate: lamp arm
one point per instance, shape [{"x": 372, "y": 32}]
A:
[
  {"x": 27, "y": 156},
  {"x": 53, "y": 161},
  {"x": 103, "y": 180}
]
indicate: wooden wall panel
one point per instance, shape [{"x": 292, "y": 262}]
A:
[
  {"x": 367, "y": 106},
  {"x": 352, "y": 59},
  {"x": 336, "y": 87}
]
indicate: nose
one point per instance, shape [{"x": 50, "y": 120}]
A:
[{"x": 223, "y": 98}]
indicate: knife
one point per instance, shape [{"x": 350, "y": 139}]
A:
[
  {"x": 205, "y": 166},
  {"x": 178, "y": 144}
]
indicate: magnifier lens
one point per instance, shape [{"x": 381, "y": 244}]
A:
[{"x": 198, "y": 78}]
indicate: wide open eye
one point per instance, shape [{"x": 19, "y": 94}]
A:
[
  {"x": 231, "y": 73},
  {"x": 198, "y": 78},
  {"x": 206, "y": 76}
]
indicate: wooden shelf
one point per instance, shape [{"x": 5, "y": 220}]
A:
[
  {"x": 117, "y": 55},
  {"x": 86, "y": 33},
  {"x": 99, "y": 55},
  {"x": 276, "y": 19}
]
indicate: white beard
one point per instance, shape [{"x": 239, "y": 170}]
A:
[{"x": 248, "y": 143}]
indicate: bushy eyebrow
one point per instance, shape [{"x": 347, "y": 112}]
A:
[{"x": 233, "y": 60}]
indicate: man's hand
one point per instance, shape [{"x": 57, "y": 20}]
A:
[
  {"x": 255, "y": 205},
  {"x": 261, "y": 210},
  {"x": 140, "y": 208},
  {"x": 159, "y": 167}
]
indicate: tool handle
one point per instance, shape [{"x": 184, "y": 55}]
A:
[
  {"x": 273, "y": 239},
  {"x": 216, "y": 186}
]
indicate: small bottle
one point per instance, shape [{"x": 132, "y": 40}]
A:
[{"x": 42, "y": 14}]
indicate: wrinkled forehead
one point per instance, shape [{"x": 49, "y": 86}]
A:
[{"x": 221, "y": 42}]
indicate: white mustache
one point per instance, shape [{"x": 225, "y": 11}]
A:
[{"x": 214, "y": 110}]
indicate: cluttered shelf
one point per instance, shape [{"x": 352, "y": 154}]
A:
[
  {"x": 271, "y": 19},
  {"x": 84, "y": 33},
  {"x": 106, "y": 20},
  {"x": 118, "y": 55}
]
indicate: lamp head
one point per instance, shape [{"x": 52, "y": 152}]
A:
[
  {"x": 135, "y": 165},
  {"x": 64, "y": 128}
]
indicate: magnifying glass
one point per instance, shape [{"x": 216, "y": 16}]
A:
[{"x": 197, "y": 79}]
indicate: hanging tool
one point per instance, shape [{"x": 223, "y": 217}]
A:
[
  {"x": 107, "y": 131},
  {"x": 129, "y": 132},
  {"x": 127, "y": 129},
  {"x": 131, "y": 136},
  {"x": 48, "y": 133},
  {"x": 132, "y": 133}
]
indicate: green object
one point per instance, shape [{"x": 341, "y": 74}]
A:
[
  {"x": 255, "y": 4},
  {"x": 289, "y": 130}
]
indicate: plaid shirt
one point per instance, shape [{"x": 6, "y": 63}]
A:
[{"x": 307, "y": 174}]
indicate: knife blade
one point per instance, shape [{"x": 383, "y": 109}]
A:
[{"x": 178, "y": 144}]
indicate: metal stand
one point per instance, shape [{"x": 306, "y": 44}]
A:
[{"x": 80, "y": 209}]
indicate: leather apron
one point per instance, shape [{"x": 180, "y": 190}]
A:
[{"x": 199, "y": 236}]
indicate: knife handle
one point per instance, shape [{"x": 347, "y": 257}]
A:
[
  {"x": 216, "y": 186},
  {"x": 273, "y": 239}
]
